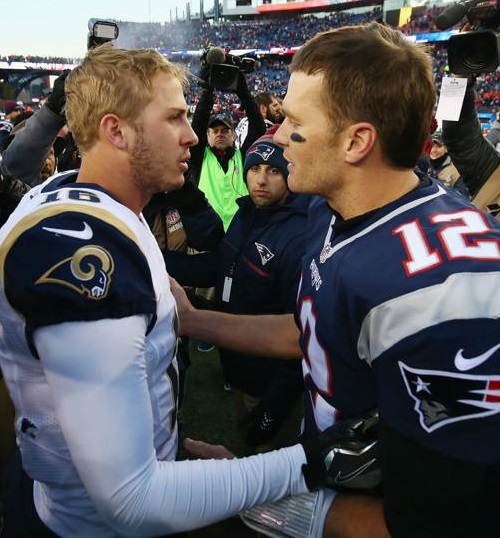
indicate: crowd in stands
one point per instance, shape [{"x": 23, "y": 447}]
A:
[
  {"x": 37, "y": 59},
  {"x": 488, "y": 95},
  {"x": 423, "y": 23},
  {"x": 271, "y": 72},
  {"x": 195, "y": 34}
]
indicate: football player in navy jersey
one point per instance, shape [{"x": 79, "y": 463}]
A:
[
  {"x": 399, "y": 303},
  {"x": 89, "y": 329}
]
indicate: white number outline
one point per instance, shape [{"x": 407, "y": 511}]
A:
[{"x": 453, "y": 238}]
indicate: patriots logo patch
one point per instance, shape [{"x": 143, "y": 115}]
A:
[
  {"x": 442, "y": 398},
  {"x": 87, "y": 272},
  {"x": 265, "y": 253},
  {"x": 263, "y": 150}
]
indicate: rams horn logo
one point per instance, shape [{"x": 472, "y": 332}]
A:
[
  {"x": 263, "y": 150},
  {"x": 87, "y": 272}
]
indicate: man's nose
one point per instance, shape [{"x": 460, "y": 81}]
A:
[
  {"x": 192, "y": 138},
  {"x": 281, "y": 136},
  {"x": 262, "y": 177}
]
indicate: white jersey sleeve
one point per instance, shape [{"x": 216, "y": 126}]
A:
[{"x": 102, "y": 402}]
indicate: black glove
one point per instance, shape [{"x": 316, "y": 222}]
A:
[
  {"x": 57, "y": 98},
  {"x": 242, "y": 88},
  {"x": 11, "y": 192},
  {"x": 187, "y": 200},
  {"x": 345, "y": 456},
  {"x": 204, "y": 74},
  {"x": 261, "y": 426}
]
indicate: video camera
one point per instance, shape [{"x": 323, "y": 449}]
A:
[
  {"x": 101, "y": 31},
  {"x": 223, "y": 69},
  {"x": 477, "y": 51}
]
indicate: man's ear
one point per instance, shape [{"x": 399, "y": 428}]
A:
[
  {"x": 361, "y": 138},
  {"x": 114, "y": 130}
]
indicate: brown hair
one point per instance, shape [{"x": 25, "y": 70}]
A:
[
  {"x": 112, "y": 80},
  {"x": 373, "y": 73}
]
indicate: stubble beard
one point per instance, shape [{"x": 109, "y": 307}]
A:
[{"x": 146, "y": 168}]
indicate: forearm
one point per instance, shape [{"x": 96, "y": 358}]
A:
[
  {"x": 199, "y": 125},
  {"x": 24, "y": 157},
  {"x": 112, "y": 445},
  {"x": 204, "y": 228},
  {"x": 201, "y": 115},
  {"x": 270, "y": 335},
  {"x": 474, "y": 157},
  {"x": 197, "y": 270},
  {"x": 7, "y": 434},
  {"x": 356, "y": 516}
]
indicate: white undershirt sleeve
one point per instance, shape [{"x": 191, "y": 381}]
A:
[{"x": 97, "y": 375}]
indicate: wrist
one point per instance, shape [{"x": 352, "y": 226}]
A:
[{"x": 312, "y": 469}]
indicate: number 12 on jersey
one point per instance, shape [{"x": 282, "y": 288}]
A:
[{"x": 458, "y": 239}]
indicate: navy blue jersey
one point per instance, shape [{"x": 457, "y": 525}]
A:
[{"x": 399, "y": 309}]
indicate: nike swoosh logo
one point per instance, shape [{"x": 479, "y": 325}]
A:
[
  {"x": 84, "y": 234},
  {"x": 463, "y": 364},
  {"x": 340, "y": 478}
]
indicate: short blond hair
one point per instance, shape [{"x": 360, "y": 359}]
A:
[{"x": 112, "y": 81}]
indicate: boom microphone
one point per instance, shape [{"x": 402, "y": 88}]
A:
[
  {"x": 454, "y": 14},
  {"x": 215, "y": 55}
]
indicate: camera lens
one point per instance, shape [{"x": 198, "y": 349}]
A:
[{"x": 473, "y": 52}]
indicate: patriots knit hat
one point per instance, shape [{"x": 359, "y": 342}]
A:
[{"x": 265, "y": 151}]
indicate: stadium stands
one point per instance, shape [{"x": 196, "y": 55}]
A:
[{"x": 262, "y": 37}]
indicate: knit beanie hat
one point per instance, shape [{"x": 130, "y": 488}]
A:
[{"x": 265, "y": 151}]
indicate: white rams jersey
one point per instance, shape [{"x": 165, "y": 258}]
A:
[
  {"x": 88, "y": 344},
  {"x": 69, "y": 253}
]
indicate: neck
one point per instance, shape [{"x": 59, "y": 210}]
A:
[
  {"x": 115, "y": 178},
  {"x": 365, "y": 192}
]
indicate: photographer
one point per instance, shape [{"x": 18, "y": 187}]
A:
[
  {"x": 474, "y": 157},
  {"x": 471, "y": 52},
  {"x": 29, "y": 156},
  {"x": 216, "y": 164}
]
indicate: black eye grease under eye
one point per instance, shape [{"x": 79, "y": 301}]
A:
[{"x": 295, "y": 137}]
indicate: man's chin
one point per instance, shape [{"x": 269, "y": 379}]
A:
[
  {"x": 293, "y": 186},
  {"x": 176, "y": 184}
]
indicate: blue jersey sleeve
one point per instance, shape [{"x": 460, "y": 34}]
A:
[{"x": 76, "y": 267}]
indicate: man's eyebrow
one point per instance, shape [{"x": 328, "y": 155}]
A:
[{"x": 177, "y": 110}]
